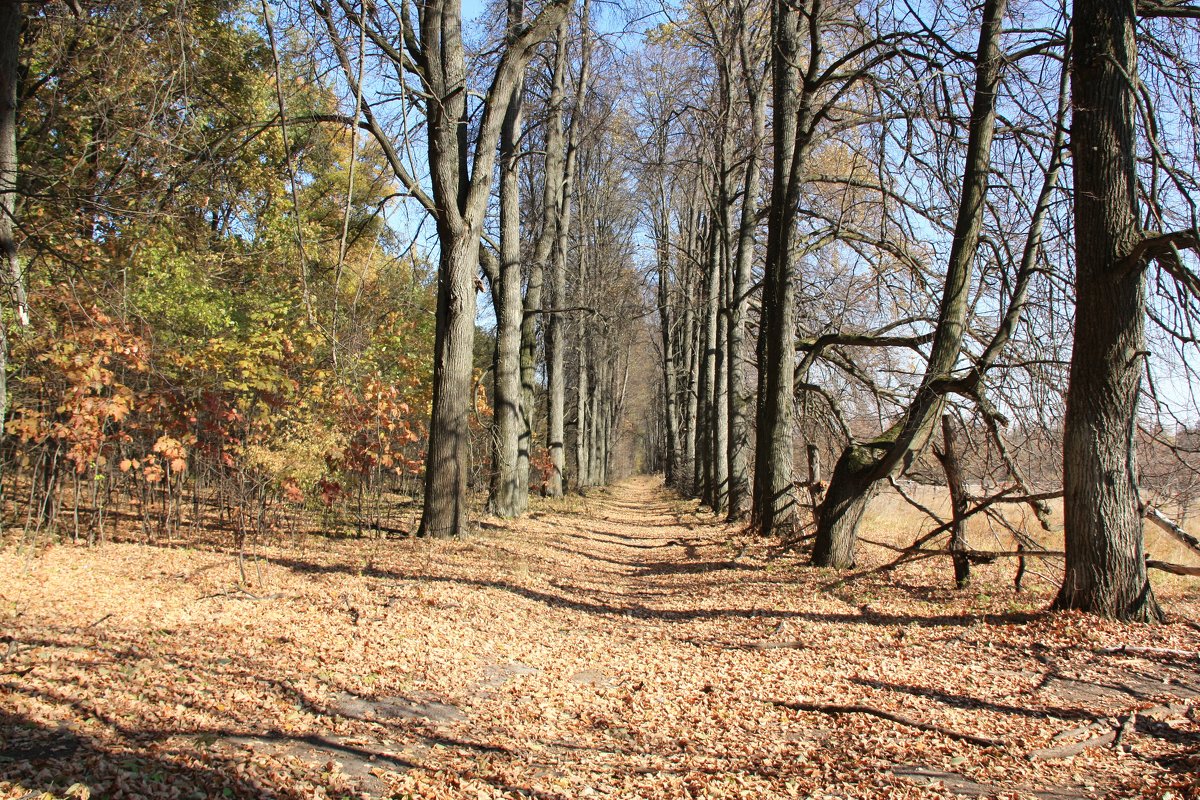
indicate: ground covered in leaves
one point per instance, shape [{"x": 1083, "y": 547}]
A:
[{"x": 622, "y": 645}]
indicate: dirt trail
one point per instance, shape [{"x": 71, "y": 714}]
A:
[{"x": 609, "y": 646}]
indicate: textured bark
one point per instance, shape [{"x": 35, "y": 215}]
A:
[
  {"x": 10, "y": 42},
  {"x": 1105, "y": 562},
  {"x": 707, "y": 450},
  {"x": 552, "y": 188},
  {"x": 448, "y": 462},
  {"x": 860, "y": 468},
  {"x": 774, "y": 501},
  {"x": 508, "y": 496},
  {"x": 720, "y": 393},
  {"x": 662, "y": 232},
  {"x": 952, "y": 465},
  {"x": 461, "y": 183},
  {"x": 582, "y": 432},
  {"x": 556, "y": 338},
  {"x": 739, "y": 499}
]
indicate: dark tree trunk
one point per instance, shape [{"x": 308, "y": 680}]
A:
[
  {"x": 861, "y": 467},
  {"x": 739, "y": 393},
  {"x": 1105, "y": 564},
  {"x": 952, "y": 466},
  {"x": 774, "y": 500},
  {"x": 670, "y": 400},
  {"x": 10, "y": 43}
]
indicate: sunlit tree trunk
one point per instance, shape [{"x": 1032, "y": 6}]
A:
[
  {"x": 461, "y": 185},
  {"x": 1105, "y": 564},
  {"x": 508, "y": 495}
]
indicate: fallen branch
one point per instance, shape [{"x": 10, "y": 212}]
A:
[
  {"x": 1175, "y": 529},
  {"x": 914, "y": 552},
  {"x": 1066, "y": 751},
  {"x": 1133, "y": 650},
  {"x": 988, "y": 555},
  {"x": 836, "y": 708},
  {"x": 1174, "y": 569},
  {"x": 1114, "y": 736}
]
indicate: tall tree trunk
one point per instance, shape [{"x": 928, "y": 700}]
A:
[
  {"x": 720, "y": 394},
  {"x": 461, "y": 185},
  {"x": 552, "y": 191},
  {"x": 670, "y": 399},
  {"x": 708, "y": 366},
  {"x": 861, "y": 467},
  {"x": 11, "y": 20},
  {"x": 582, "y": 393},
  {"x": 739, "y": 307},
  {"x": 1105, "y": 564},
  {"x": 556, "y": 341},
  {"x": 508, "y": 496},
  {"x": 774, "y": 503},
  {"x": 448, "y": 462},
  {"x": 10, "y": 43}
]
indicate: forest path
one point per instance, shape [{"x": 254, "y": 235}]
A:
[{"x": 623, "y": 645}]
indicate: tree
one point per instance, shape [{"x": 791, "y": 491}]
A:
[
  {"x": 10, "y": 43},
  {"x": 507, "y": 496},
  {"x": 1105, "y": 569},
  {"x": 862, "y": 466}
]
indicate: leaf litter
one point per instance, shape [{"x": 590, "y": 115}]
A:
[{"x": 622, "y": 646}]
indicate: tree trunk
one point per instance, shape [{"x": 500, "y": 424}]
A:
[
  {"x": 556, "y": 341},
  {"x": 1105, "y": 562},
  {"x": 861, "y": 467},
  {"x": 669, "y": 412},
  {"x": 958, "y": 502},
  {"x": 739, "y": 393},
  {"x": 774, "y": 502},
  {"x": 708, "y": 370},
  {"x": 508, "y": 495},
  {"x": 10, "y": 43},
  {"x": 461, "y": 185},
  {"x": 448, "y": 462}
]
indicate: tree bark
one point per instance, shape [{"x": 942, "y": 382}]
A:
[
  {"x": 10, "y": 44},
  {"x": 774, "y": 501},
  {"x": 739, "y": 393},
  {"x": 508, "y": 496},
  {"x": 556, "y": 338},
  {"x": 461, "y": 187},
  {"x": 958, "y": 502},
  {"x": 1105, "y": 561},
  {"x": 448, "y": 462}
]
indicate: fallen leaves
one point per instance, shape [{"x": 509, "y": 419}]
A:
[{"x": 571, "y": 654}]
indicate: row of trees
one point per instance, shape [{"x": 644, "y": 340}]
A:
[
  {"x": 942, "y": 190},
  {"x": 848, "y": 221},
  {"x": 219, "y": 267}
]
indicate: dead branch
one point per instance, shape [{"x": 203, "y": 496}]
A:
[
  {"x": 1174, "y": 569},
  {"x": 914, "y": 503},
  {"x": 1066, "y": 751},
  {"x": 1134, "y": 650},
  {"x": 836, "y": 708},
  {"x": 1173, "y": 528}
]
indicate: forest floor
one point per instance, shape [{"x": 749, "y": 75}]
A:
[{"x": 622, "y": 645}]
